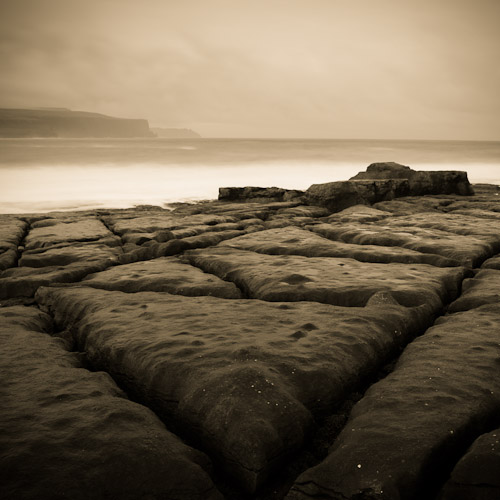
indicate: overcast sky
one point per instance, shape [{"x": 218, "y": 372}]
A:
[{"x": 417, "y": 69}]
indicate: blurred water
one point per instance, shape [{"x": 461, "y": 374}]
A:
[{"x": 68, "y": 174}]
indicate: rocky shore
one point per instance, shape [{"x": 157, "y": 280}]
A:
[{"x": 337, "y": 343}]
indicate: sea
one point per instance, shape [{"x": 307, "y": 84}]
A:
[{"x": 43, "y": 175}]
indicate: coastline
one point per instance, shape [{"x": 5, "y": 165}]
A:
[{"x": 242, "y": 338}]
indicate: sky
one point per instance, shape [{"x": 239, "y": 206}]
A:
[{"x": 373, "y": 69}]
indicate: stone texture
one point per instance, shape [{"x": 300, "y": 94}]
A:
[
  {"x": 252, "y": 193},
  {"x": 484, "y": 288},
  {"x": 408, "y": 429},
  {"x": 87, "y": 229},
  {"x": 420, "y": 182},
  {"x": 336, "y": 196},
  {"x": 465, "y": 250},
  {"x": 165, "y": 274},
  {"x": 242, "y": 377},
  {"x": 476, "y": 476},
  {"x": 66, "y": 432},
  {"x": 344, "y": 282},
  {"x": 294, "y": 241},
  {"x": 62, "y": 256}
]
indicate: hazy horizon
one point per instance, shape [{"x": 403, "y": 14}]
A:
[{"x": 294, "y": 69}]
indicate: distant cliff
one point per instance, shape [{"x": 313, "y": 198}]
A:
[
  {"x": 61, "y": 122},
  {"x": 175, "y": 133}
]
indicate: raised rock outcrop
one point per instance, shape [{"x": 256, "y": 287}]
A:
[
  {"x": 484, "y": 288},
  {"x": 420, "y": 182},
  {"x": 66, "y": 432}
]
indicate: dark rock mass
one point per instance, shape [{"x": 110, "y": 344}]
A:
[
  {"x": 252, "y": 193},
  {"x": 420, "y": 182}
]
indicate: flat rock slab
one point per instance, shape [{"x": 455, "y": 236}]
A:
[
  {"x": 295, "y": 241},
  {"x": 476, "y": 476},
  {"x": 242, "y": 377},
  {"x": 492, "y": 263},
  {"x": 359, "y": 213},
  {"x": 466, "y": 250},
  {"x": 166, "y": 274},
  {"x": 343, "y": 282},
  {"x": 24, "y": 281},
  {"x": 484, "y": 288},
  {"x": 406, "y": 432},
  {"x": 66, "y": 432},
  {"x": 62, "y": 256},
  {"x": 89, "y": 229},
  {"x": 480, "y": 227},
  {"x": 157, "y": 222},
  {"x": 11, "y": 232}
]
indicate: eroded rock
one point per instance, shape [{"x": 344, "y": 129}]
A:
[
  {"x": 242, "y": 377},
  {"x": 344, "y": 282},
  {"x": 66, "y": 432},
  {"x": 484, "y": 288},
  {"x": 407, "y": 430}
]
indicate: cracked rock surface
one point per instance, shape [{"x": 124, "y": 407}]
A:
[{"x": 252, "y": 350}]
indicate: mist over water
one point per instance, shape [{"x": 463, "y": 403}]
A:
[{"x": 68, "y": 174}]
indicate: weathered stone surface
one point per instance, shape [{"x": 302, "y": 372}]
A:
[
  {"x": 89, "y": 229},
  {"x": 407, "y": 430},
  {"x": 252, "y": 193},
  {"x": 165, "y": 274},
  {"x": 336, "y": 196},
  {"x": 484, "y": 228},
  {"x": 295, "y": 241},
  {"x": 242, "y": 377},
  {"x": 24, "y": 281},
  {"x": 8, "y": 258},
  {"x": 344, "y": 282},
  {"x": 62, "y": 256},
  {"x": 492, "y": 263},
  {"x": 66, "y": 432},
  {"x": 420, "y": 182},
  {"x": 476, "y": 476},
  {"x": 484, "y": 288},
  {"x": 465, "y": 250},
  {"x": 11, "y": 232},
  {"x": 358, "y": 213}
]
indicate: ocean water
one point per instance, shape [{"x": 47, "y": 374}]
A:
[{"x": 40, "y": 175}]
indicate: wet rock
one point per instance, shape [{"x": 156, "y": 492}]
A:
[
  {"x": 243, "y": 377},
  {"x": 336, "y": 196},
  {"x": 476, "y": 477},
  {"x": 409, "y": 428},
  {"x": 165, "y": 274},
  {"x": 344, "y": 282},
  {"x": 294, "y": 241},
  {"x": 66, "y": 432},
  {"x": 484, "y": 288},
  {"x": 420, "y": 182}
]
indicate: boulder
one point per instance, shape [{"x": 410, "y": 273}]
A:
[
  {"x": 337, "y": 196},
  {"x": 420, "y": 182}
]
